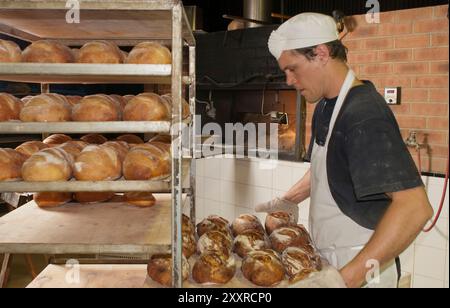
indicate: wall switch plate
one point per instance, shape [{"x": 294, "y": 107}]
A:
[{"x": 392, "y": 95}]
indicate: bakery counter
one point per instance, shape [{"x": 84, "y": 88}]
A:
[
  {"x": 115, "y": 228},
  {"x": 135, "y": 276}
]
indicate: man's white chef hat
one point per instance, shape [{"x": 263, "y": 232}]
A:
[{"x": 303, "y": 30}]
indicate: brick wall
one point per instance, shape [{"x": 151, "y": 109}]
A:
[{"x": 408, "y": 49}]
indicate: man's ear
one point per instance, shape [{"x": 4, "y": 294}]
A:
[{"x": 322, "y": 53}]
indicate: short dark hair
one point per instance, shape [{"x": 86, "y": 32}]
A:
[{"x": 336, "y": 48}]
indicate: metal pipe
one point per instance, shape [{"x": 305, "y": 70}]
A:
[{"x": 258, "y": 10}]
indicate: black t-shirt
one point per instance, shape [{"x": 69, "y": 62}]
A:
[{"x": 367, "y": 157}]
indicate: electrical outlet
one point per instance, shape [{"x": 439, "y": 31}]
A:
[{"x": 392, "y": 96}]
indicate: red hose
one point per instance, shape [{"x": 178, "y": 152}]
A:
[{"x": 441, "y": 205}]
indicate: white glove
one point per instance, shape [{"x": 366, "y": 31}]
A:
[{"x": 277, "y": 205}]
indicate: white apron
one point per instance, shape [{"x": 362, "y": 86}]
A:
[{"x": 338, "y": 238}]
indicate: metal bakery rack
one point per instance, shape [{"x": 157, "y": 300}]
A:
[{"x": 105, "y": 228}]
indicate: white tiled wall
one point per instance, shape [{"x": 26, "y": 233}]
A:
[{"x": 230, "y": 187}]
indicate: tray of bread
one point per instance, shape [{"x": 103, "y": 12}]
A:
[{"x": 246, "y": 254}]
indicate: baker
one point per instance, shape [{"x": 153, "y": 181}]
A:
[{"x": 368, "y": 202}]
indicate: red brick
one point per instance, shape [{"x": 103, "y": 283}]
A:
[
  {"x": 395, "y": 55},
  {"x": 439, "y": 67},
  {"x": 383, "y": 82},
  {"x": 412, "y": 41},
  {"x": 375, "y": 69},
  {"x": 436, "y": 137},
  {"x": 376, "y": 44},
  {"x": 411, "y": 68},
  {"x": 430, "y": 82},
  {"x": 439, "y": 39},
  {"x": 439, "y": 95},
  {"x": 364, "y": 31},
  {"x": 435, "y": 53},
  {"x": 431, "y": 26},
  {"x": 387, "y": 17},
  {"x": 438, "y": 165},
  {"x": 440, "y": 11},
  {"x": 402, "y": 109},
  {"x": 429, "y": 109},
  {"x": 439, "y": 150},
  {"x": 353, "y": 45},
  {"x": 362, "y": 57},
  {"x": 411, "y": 122},
  {"x": 394, "y": 29},
  {"x": 414, "y": 95},
  {"x": 414, "y": 14},
  {"x": 438, "y": 123}
]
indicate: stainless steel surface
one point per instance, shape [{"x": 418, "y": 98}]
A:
[
  {"x": 85, "y": 127},
  {"x": 258, "y": 10},
  {"x": 85, "y": 73},
  {"x": 177, "y": 56}
]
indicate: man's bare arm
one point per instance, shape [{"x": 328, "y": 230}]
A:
[
  {"x": 403, "y": 221},
  {"x": 301, "y": 190}
]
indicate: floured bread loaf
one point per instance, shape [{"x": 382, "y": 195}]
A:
[
  {"x": 293, "y": 236},
  {"x": 263, "y": 268},
  {"x": 250, "y": 240},
  {"x": 147, "y": 161},
  {"x": 185, "y": 106},
  {"x": 214, "y": 268},
  {"x": 48, "y": 52},
  {"x": 246, "y": 222},
  {"x": 159, "y": 269},
  {"x": 30, "y": 147},
  {"x": 189, "y": 243},
  {"x": 213, "y": 222},
  {"x": 149, "y": 53},
  {"x": 46, "y": 108},
  {"x": 10, "y": 52},
  {"x": 130, "y": 139},
  {"x": 56, "y": 139},
  {"x": 52, "y": 164},
  {"x": 140, "y": 199},
  {"x": 96, "y": 108},
  {"x": 10, "y": 107},
  {"x": 52, "y": 199},
  {"x": 277, "y": 220},
  {"x": 102, "y": 52},
  {"x": 98, "y": 163},
  {"x": 299, "y": 263},
  {"x": 92, "y": 197},
  {"x": 121, "y": 148},
  {"x": 147, "y": 107},
  {"x": 94, "y": 139},
  {"x": 214, "y": 241},
  {"x": 11, "y": 162}
]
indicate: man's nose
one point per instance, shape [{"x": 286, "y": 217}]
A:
[{"x": 290, "y": 79}]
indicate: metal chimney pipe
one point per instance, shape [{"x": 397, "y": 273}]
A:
[{"x": 257, "y": 10}]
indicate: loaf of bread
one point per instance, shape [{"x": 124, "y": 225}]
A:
[
  {"x": 146, "y": 162},
  {"x": 130, "y": 139},
  {"x": 214, "y": 268},
  {"x": 250, "y": 240},
  {"x": 46, "y": 108},
  {"x": 213, "y": 222},
  {"x": 98, "y": 163},
  {"x": 246, "y": 222},
  {"x": 11, "y": 162},
  {"x": 73, "y": 99},
  {"x": 26, "y": 99},
  {"x": 121, "y": 148},
  {"x": 161, "y": 138},
  {"x": 299, "y": 264},
  {"x": 215, "y": 241},
  {"x": 52, "y": 199},
  {"x": 102, "y": 52},
  {"x": 184, "y": 105},
  {"x": 263, "y": 268},
  {"x": 159, "y": 269},
  {"x": 149, "y": 53},
  {"x": 285, "y": 237},
  {"x": 120, "y": 100},
  {"x": 52, "y": 164},
  {"x": 48, "y": 52},
  {"x": 72, "y": 148},
  {"x": 189, "y": 243},
  {"x": 30, "y": 147},
  {"x": 128, "y": 97},
  {"x": 187, "y": 225},
  {"x": 92, "y": 197},
  {"x": 96, "y": 108},
  {"x": 56, "y": 139},
  {"x": 94, "y": 139},
  {"x": 10, "y": 107},
  {"x": 147, "y": 107},
  {"x": 140, "y": 199},
  {"x": 10, "y": 52},
  {"x": 277, "y": 220}
]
